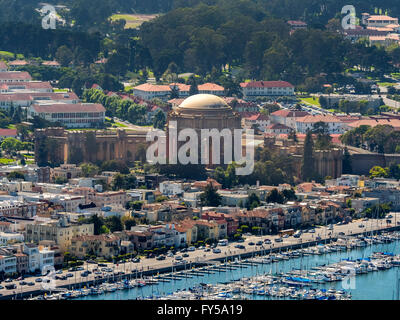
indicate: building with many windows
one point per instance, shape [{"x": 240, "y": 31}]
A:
[
  {"x": 79, "y": 115},
  {"x": 254, "y": 89}
]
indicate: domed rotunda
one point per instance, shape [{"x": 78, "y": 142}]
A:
[{"x": 205, "y": 111}]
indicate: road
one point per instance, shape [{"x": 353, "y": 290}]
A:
[{"x": 202, "y": 256}]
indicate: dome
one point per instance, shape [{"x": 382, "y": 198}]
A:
[{"x": 204, "y": 102}]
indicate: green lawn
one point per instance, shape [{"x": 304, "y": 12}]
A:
[
  {"x": 133, "y": 21},
  {"x": 311, "y": 101},
  {"x": 10, "y": 55},
  {"x": 6, "y": 161},
  {"x": 386, "y": 84},
  {"x": 119, "y": 124}
]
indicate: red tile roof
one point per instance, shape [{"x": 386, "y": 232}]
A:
[
  {"x": 18, "y": 63},
  {"x": 15, "y": 75},
  {"x": 259, "y": 117},
  {"x": 276, "y": 126},
  {"x": 294, "y": 22},
  {"x": 51, "y": 63},
  {"x": 148, "y": 87},
  {"x": 66, "y": 107},
  {"x": 318, "y": 118},
  {"x": 289, "y": 113},
  {"x": 8, "y": 132},
  {"x": 31, "y": 84},
  {"x": 381, "y": 18},
  {"x": 395, "y": 123},
  {"x": 210, "y": 87}
]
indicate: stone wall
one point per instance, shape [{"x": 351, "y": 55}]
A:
[{"x": 90, "y": 146}]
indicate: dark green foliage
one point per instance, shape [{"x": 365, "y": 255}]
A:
[
  {"x": 210, "y": 197},
  {"x": 307, "y": 168}
]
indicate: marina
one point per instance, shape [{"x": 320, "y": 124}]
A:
[{"x": 358, "y": 267}]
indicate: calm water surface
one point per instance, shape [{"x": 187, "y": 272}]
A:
[{"x": 378, "y": 285}]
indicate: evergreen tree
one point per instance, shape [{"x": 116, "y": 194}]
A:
[
  {"x": 307, "y": 168},
  {"x": 210, "y": 197},
  {"x": 193, "y": 86},
  {"x": 347, "y": 164},
  {"x": 275, "y": 197}
]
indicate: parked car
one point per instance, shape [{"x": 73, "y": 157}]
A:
[
  {"x": 278, "y": 240},
  {"x": 136, "y": 260},
  {"x": 251, "y": 243},
  {"x": 240, "y": 246},
  {"x": 191, "y": 249},
  {"x": 185, "y": 255},
  {"x": 259, "y": 243},
  {"x": 101, "y": 265},
  {"x": 38, "y": 280},
  {"x": 170, "y": 254},
  {"x": 30, "y": 283},
  {"x": 361, "y": 225},
  {"x": 69, "y": 275},
  {"x": 11, "y": 286},
  {"x": 267, "y": 241},
  {"x": 216, "y": 250},
  {"x": 159, "y": 258},
  {"x": 178, "y": 258}
]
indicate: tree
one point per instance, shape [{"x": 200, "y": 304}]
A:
[
  {"x": 275, "y": 197},
  {"x": 378, "y": 172},
  {"x": 98, "y": 224},
  {"x": 140, "y": 154},
  {"x": 114, "y": 224},
  {"x": 210, "y": 197},
  {"x": 128, "y": 222},
  {"x": 193, "y": 86},
  {"x": 15, "y": 175},
  {"x": 159, "y": 120},
  {"x": 347, "y": 163},
  {"x": 253, "y": 201},
  {"x": 64, "y": 56},
  {"x": 307, "y": 168},
  {"x": 89, "y": 169},
  {"x": 60, "y": 180},
  {"x": 11, "y": 145}
]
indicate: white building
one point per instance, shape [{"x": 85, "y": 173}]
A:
[
  {"x": 254, "y": 89},
  {"x": 8, "y": 237},
  {"x": 334, "y": 125},
  {"x": 171, "y": 188},
  {"x": 378, "y": 21},
  {"x": 15, "y": 76},
  {"x": 46, "y": 259},
  {"x": 32, "y": 251},
  {"x": 78, "y": 115},
  {"x": 8, "y": 264}
]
